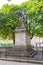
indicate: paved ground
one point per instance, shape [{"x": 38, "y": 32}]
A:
[{"x": 15, "y": 63}]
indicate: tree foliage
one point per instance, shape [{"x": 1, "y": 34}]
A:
[
  {"x": 35, "y": 16},
  {"x": 9, "y": 19}
]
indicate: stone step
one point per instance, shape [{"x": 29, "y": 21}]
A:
[
  {"x": 34, "y": 54},
  {"x": 24, "y": 53},
  {"x": 20, "y": 51},
  {"x": 18, "y": 48}
]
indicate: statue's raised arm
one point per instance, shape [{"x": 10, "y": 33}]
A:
[{"x": 22, "y": 18}]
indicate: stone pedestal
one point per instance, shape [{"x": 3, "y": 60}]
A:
[
  {"x": 22, "y": 37},
  {"x": 22, "y": 47}
]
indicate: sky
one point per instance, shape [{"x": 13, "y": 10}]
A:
[{"x": 16, "y": 2}]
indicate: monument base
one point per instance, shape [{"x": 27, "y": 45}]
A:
[
  {"x": 22, "y": 45},
  {"x": 21, "y": 51},
  {"x": 22, "y": 36}
]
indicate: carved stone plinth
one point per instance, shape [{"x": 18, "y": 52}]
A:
[{"x": 22, "y": 37}]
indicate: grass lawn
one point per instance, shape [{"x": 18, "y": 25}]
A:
[{"x": 6, "y": 44}]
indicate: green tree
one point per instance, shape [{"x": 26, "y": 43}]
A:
[
  {"x": 35, "y": 16},
  {"x": 8, "y": 21}
]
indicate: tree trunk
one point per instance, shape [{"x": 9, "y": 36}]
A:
[{"x": 14, "y": 39}]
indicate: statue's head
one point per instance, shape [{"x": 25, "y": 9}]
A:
[{"x": 19, "y": 13}]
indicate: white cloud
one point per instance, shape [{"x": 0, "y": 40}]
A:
[{"x": 2, "y": 2}]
